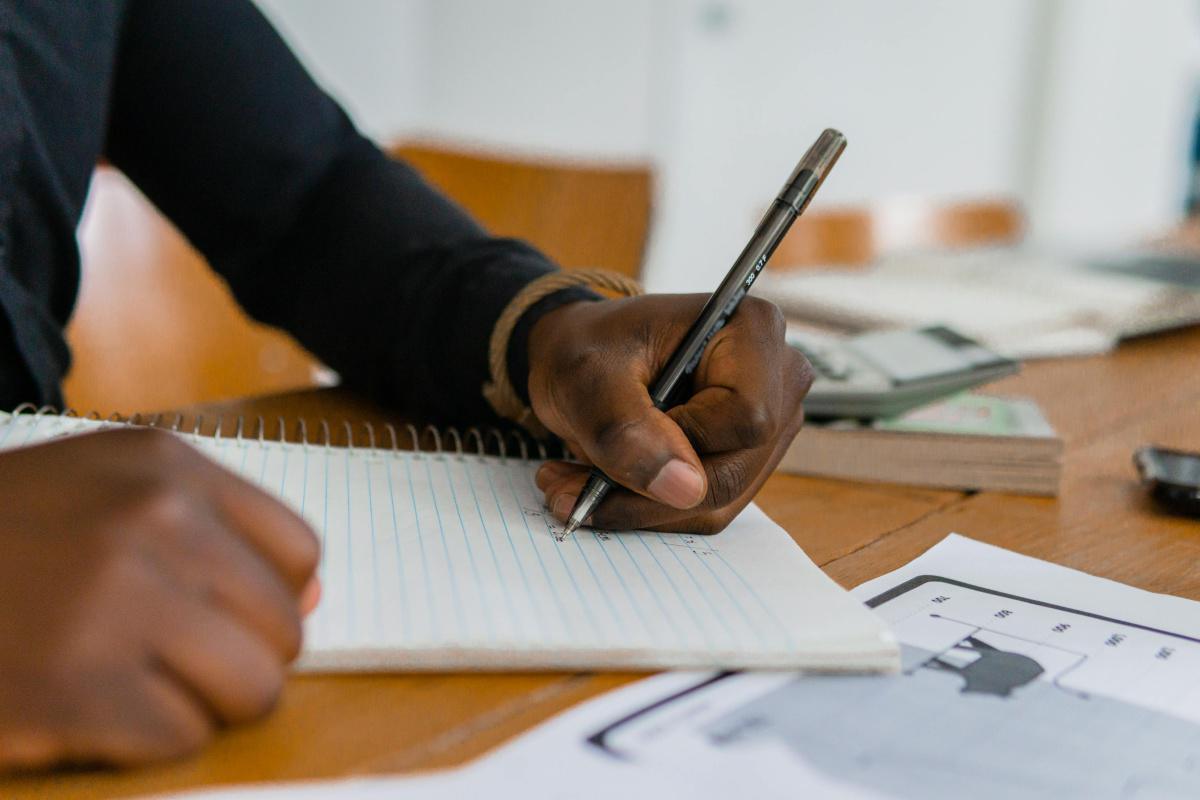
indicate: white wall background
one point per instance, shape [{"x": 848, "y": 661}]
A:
[
  {"x": 373, "y": 55},
  {"x": 1122, "y": 90},
  {"x": 1080, "y": 108}
]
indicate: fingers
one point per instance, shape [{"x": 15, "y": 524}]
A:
[
  {"x": 270, "y": 527},
  {"x": 621, "y": 432},
  {"x": 231, "y": 670},
  {"x": 281, "y": 536},
  {"x": 176, "y": 584},
  {"x": 160, "y": 718},
  {"x": 227, "y": 571},
  {"x": 719, "y": 419},
  {"x": 732, "y": 478},
  {"x": 749, "y": 385}
]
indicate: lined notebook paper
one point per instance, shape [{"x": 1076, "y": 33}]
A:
[{"x": 442, "y": 561}]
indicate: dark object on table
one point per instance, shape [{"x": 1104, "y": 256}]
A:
[{"x": 1172, "y": 476}]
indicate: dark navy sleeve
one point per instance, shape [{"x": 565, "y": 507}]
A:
[{"x": 315, "y": 229}]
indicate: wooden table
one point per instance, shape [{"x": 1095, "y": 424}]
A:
[{"x": 1104, "y": 407}]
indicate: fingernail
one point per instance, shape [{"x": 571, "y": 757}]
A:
[
  {"x": 564, "y": 504},
  {"x": 548, "y": 472},
  {"x": 678, "y": 484}
]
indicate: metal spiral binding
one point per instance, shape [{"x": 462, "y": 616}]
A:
[
  {"x": 452, "y": 433},
  {"x": 480, "y": 448},
  {"x": 501, "y": 445},
  {"x": 522, "y": 444},
  {"x": 437, "y": 438},
  {"x": 474, "y": 441}
]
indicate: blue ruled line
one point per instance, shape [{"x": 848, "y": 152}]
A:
[
  {"x": 283, "y": 477},
  {"x": 700, "y": 591},
  {"x": 787, "y": 635},
  {"x": 304, "y": 498},
  {"x": 458, "y": 611},
  {"x": 376, "y": 606},
  {"x": 637, "y": 609},
  {"x": 533, "y": 607},
  {"x": 686, "y": 606},
  {"x": 264, "y": 451},
  {"x": 351, "y": 614},
  {"x": 620, "y": 537},
  {"x": 487, "y": 535},
  {"x": 434, "y": 618},
  {"x": 11, "y": 423},
  {"x": 325, "y": 527},
  {"x": 562, "y": 614},
  {"x": 37, "y": 421},
  {"x": 612, "y": 608},
  {"x": 762, "y": 640},
  {"x": 400, "y": 583},
  {"x": 587, "y": 609},
  {"x": 245, "y": 454},
  {"x": 487, "y": 611}
]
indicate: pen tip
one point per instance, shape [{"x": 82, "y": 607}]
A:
[{"x": 571, "y": 526}]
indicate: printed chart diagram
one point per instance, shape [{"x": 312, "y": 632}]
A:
[
  {"x": 999, "y": 695},
  {"x": 992, "y": 638}
]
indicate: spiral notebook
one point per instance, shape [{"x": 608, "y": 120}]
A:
[{"x": 446, "y": 559}]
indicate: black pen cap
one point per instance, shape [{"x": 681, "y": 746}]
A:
[{"x": 812, "y": 169}]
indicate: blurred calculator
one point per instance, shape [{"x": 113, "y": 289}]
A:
[{"x": 885, "y": 373}]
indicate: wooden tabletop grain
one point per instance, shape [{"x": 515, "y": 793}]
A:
[{"x": 1104, "y": 407}]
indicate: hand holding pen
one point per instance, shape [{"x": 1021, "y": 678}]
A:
[{"x": 687, "y": 416}]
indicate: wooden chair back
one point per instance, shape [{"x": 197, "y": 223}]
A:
[
  {"x": 156, "y": 328},
  {"x": 581, "y": 215},
  {"x": 858, "y": 236}
]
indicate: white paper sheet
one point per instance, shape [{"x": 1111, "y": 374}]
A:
[{"x": 1016, "y": 303}]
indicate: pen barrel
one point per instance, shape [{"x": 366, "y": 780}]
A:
[
  {"x": 811, "y": 170},
  {"x": 597, "y": 487},
  {"x": 672, "y": 383}
]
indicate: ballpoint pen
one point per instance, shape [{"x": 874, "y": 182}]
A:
[{"x": 789, "y": 204}]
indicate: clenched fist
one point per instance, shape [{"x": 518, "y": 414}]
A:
[{"x": 147, "y": 597}]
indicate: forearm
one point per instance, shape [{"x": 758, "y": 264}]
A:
[
  {"x": 315, "y": 229},
  {"x": 383, "y": 280}
]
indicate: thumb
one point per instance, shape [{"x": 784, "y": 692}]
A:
[{"x": 640, "y": 447}]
